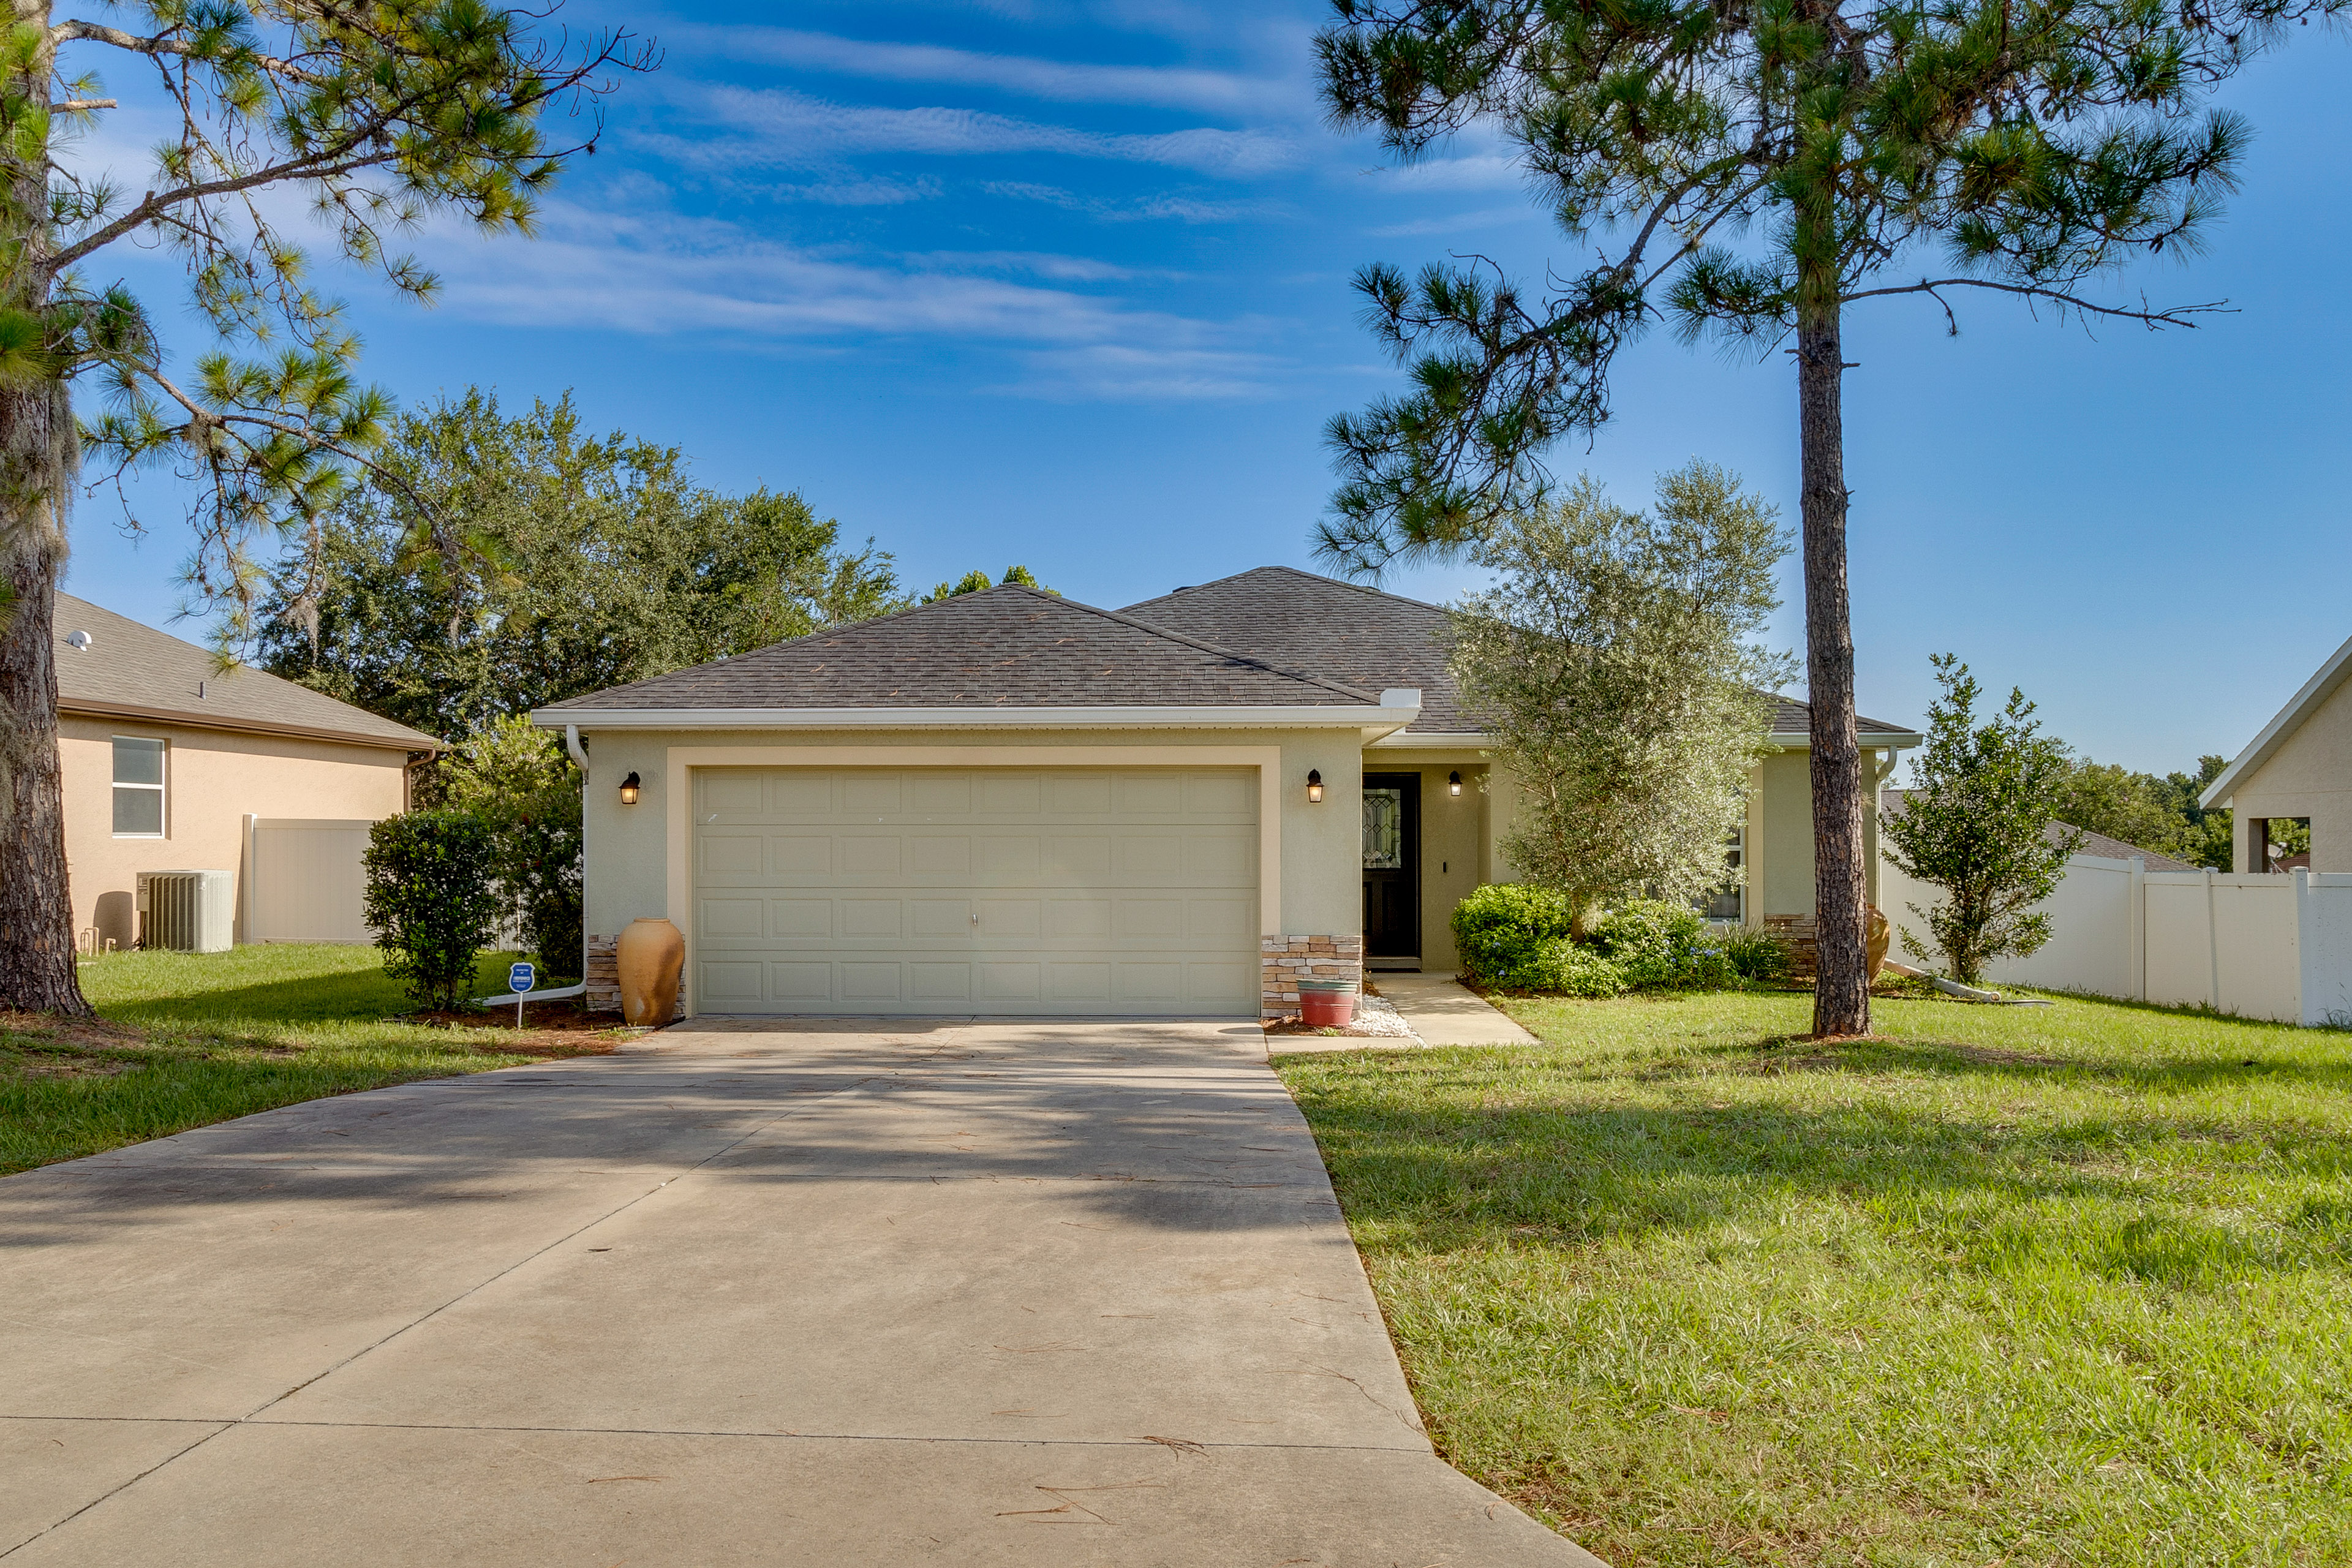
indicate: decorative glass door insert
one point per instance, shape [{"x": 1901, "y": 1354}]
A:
[{"x": 1383, "y": 829}]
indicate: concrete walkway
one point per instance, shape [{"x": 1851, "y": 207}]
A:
[
  {"x": 1442, "y": 1012},
  {"x": 1017, "y": 1294}
]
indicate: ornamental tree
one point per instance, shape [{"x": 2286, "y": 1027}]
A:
[
  {"x": 1614, "y": 667},
  {"x": 2034, "y": 143},
  {"x": 1976, "y": 822},
  {"x": 378, "y": 115}
]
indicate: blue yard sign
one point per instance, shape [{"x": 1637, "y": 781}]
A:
[{"x": 519, "y": 978}]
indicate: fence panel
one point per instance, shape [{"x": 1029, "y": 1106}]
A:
[
  {"x": 2180, "y": 938},
  {"x": 2256, "y": 932},
  {"x": 304, "y": 880}
]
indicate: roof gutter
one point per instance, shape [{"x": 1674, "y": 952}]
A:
[
  {"x": 1376, "y": 721},
  {"x": 97, "y": 708},
  {"x": 1901, "y": 741}
]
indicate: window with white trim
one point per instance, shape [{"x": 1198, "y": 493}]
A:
[
  {"x": 1728, "y": 900},
  {"x": 138, "y": 787}
]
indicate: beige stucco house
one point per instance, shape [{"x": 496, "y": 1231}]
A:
[
  {"x": 168, "y": 764},
  {"x": 1008, "y": 802},
  {"x": 2298, "y": 769}
]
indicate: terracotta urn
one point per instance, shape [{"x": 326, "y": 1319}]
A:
[
  {"x": 1881, "y": 933},
  {"x": 650, "y": 956}
]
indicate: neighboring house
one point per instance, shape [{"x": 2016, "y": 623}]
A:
[
  {"x": 1007, "y": 802},
  {"x": 2298, "y": 770},
  {"x": 169, "y": 763}
]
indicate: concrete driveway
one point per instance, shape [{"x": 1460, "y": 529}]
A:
[{"x": 958, "y": 1293}]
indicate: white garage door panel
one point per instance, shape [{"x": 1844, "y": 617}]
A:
[{"x": 984, "y": 891}]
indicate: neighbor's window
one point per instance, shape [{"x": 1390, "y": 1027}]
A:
[
  {"x": 1729, "y": 900},
  {"x": 138, "y": 788}
]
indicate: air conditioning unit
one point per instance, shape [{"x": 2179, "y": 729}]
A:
[{"x": 187, "y": 912}]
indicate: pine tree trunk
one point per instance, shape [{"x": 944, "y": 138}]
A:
[
  {"x": 1842, "y": 991},
  {"x": 37, "y": 457}
]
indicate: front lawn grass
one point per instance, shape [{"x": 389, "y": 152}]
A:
[
  {"x": 193, "y": 1038},
  {"x": 2004, "y": 1285}
]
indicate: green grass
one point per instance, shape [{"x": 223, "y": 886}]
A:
[
  {"x": 194, "y": 1038},
  {"x": 2006, "y": 1285}
]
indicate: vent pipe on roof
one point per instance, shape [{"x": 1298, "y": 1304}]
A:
[{"x": 79, "y": 641}]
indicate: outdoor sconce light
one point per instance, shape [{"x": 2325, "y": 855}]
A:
[
  {"x": 1454, "y": 781},
  {"x": 1314, "y": 787},
  {"x": 629, "y": 790}
]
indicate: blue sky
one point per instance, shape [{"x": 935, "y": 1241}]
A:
[{"x": 1064, "y": 282}]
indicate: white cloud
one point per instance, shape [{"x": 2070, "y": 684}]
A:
[
  {"x": 776, "y": 127},
  {"x": 1164, "y": 87},
  {"x": 1485, "y": 218},
  {"x": 647, "y": 271},
  {"x": 1183, "y": 209},
  {"x": 1477, "y": 172},
  {"x": 1128, "y": 373},
  {"x": 874, "y": 193}
]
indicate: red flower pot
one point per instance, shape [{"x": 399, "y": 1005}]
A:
[{"x": 1327, "y": 1009}]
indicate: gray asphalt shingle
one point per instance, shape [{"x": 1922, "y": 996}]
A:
[
  {"x": 1009, "y": 646},
  {"x": 131, "y": 666}
]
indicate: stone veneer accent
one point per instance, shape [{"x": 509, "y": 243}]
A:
[
  {"x": 604, "y": 977},
  {"x": 1285, "y": 961}
]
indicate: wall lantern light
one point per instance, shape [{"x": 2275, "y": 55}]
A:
[
  {"x": 629, "y": 790},
  {"x": 1454, "y": 781},
  {"x": 1315, "y": 786}
]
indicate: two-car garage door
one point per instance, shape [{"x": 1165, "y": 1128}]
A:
[{"x": 981, "y": 890}]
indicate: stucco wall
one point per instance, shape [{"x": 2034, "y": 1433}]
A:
[
  {"x": 2309, "y": 776},
  {"x": 1455, "y": 840},
  {"x": 628, "y": 846},
  {"x": 213, "y": 779},
  {"x": 1780, "y": 835}
]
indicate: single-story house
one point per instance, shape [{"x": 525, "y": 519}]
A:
[
  {"x": 2299, "y": 769},
  {"x": 1007, "y": 802},
  {"x": 168, "y": 762}
]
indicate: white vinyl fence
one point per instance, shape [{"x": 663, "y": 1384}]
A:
[{"x": 2258, "y": 945}]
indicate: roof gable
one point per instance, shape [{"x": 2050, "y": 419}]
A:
[
  {"x": 2282, "y": 727},
  {"x": 1008, "y": 646},
  {"x": 131, "y": 668}
]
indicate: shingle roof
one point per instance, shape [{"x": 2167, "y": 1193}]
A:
[
  {"x": 1359, "y": 635},
  {"x": 1009, "y": 646},
  {"x": 1295, "y": 618},
  {"x": 135, "y": 670},
  {"x": 1890, "y": 803}
]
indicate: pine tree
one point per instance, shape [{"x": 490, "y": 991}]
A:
[
  {"x": 377, "y": 115},
  {"x": 2036, "y": 144}
]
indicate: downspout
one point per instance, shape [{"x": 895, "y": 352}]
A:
[
  {"x": 579, "y": 755},
  {"x": 1878, "y": 777}
]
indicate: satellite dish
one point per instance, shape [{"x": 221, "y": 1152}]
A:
[{"x": 77, "y": 641}]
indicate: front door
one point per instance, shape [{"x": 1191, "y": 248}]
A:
[{"x": 1392, "y": 866}]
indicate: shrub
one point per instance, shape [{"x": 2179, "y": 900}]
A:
[
  {"x": 517, "y": 780},
  {"x": 1754, "y": 956},
  {"x": 1502, "y": 928},
  {"x": 1566, "y": 968},
  {"x": 430, "y": 900},
  {"x": 1660, "y": 946},
  {"x": 1514, "y": 937}
]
